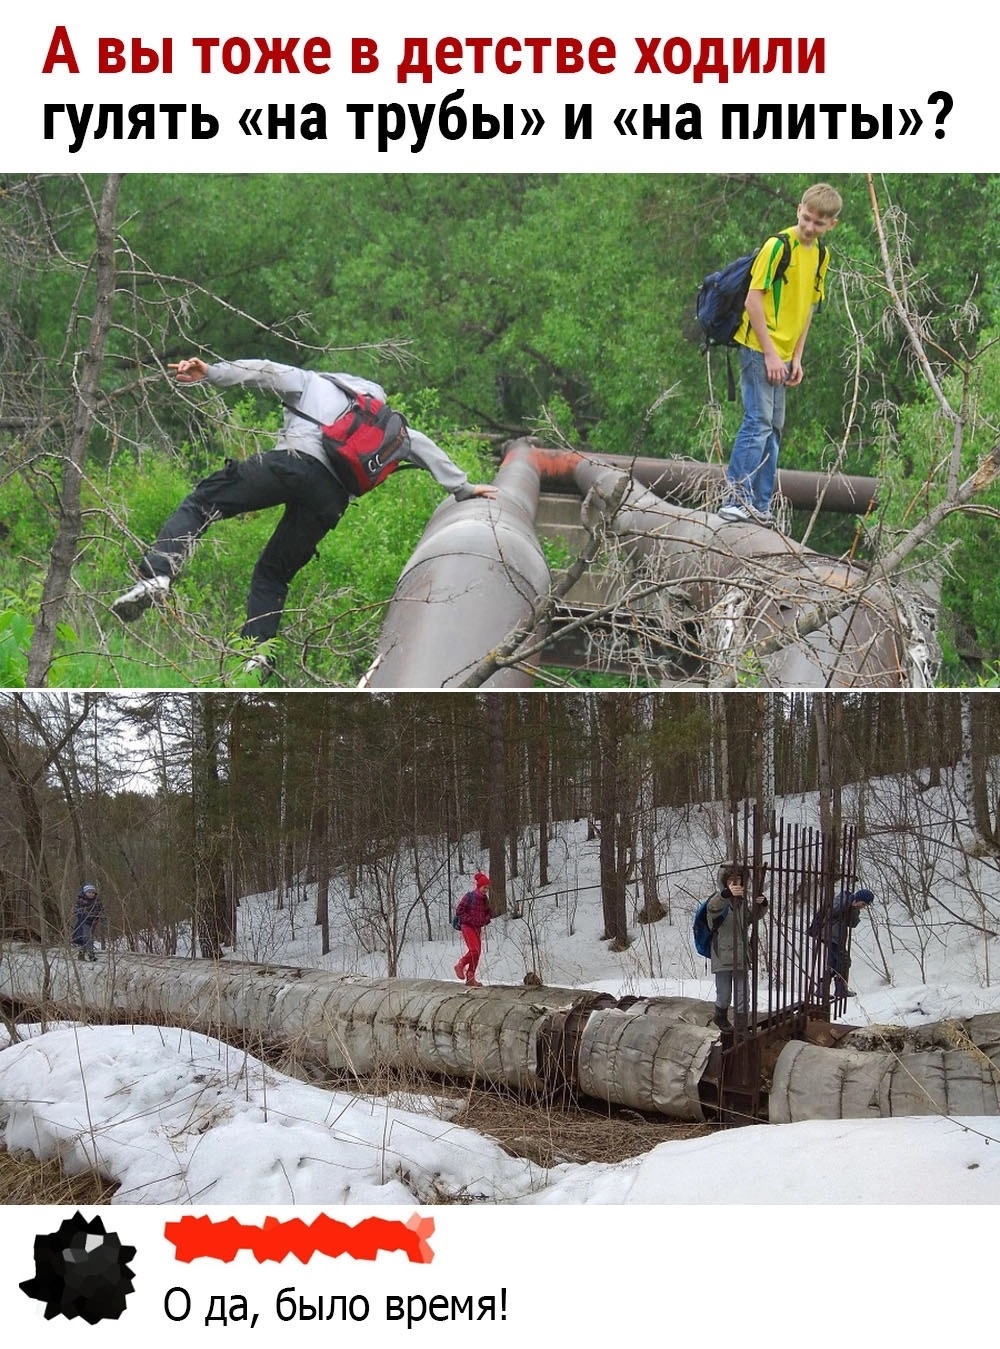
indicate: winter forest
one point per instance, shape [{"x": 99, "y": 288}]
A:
[
  {"x": 312, "y": 843},
  {"x": 179, "y": 805}
]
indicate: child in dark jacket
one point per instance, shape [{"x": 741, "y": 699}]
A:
[
  {"x": 86, "y": 915},
  {"x": 834, "y": 928},
  {"x": 473, "y": 913}
]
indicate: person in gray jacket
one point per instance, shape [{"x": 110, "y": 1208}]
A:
[
  {"x": 296, "y": 474},
  {"x": 732, "y": 920}
]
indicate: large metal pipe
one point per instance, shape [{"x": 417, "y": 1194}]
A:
[
  {"x": 478, "y": 573},
  {"x": 475, "y": 575},
  {"x": 689, "y": 480},
  {"x": 746, "y": 584},
  {"x": 650, "y": 1054}
]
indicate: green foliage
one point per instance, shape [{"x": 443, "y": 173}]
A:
[
  {"x": 522, "y": 295},
  {"x": 914, "y": 471},
  {"x": 334, "y": 607},
  {"x": 15, "y": 638},
  {"x": 16, "y": 630},
  {"x": 557, "y": 553},
  {"x": 24, "y": 521}
]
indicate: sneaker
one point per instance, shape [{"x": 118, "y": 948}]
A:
[
  {"x": 721, "y": 1019},
  {"x": 736, "y": 514},
  {"x": 143, "y": 594},
  {"x": 473, "y": 983},
  {"x": 259, "y": 664},
  {"x": 460, "y": 973}
]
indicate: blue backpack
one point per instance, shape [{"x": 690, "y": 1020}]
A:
[
  {"x": 722, "y": 295},
  {"x": 722, "y": 298},
  {"x": 704, "y": 931}
]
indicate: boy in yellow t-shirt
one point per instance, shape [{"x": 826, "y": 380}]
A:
[{"x": 772, "y": 338}]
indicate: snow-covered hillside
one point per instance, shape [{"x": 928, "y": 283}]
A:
[{"x": 178, "y": 1118}]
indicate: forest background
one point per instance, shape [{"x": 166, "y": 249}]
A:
[
  {"x": 489, "y": 306},
  {"x": 177, "y": 804}
]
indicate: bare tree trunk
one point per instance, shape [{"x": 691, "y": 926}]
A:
[
  {"x": 281, "y": 897},
  {"x": 513, "y": 774},
  {"x": 324, "y": 790},
  {"x": 542, "y": 766},
  {"x": 972, "y": 771},
  {"x": 765, "y": 760},
  {"x": 64, "y": 547},
  {"x": 652, "y": 910},
  {"x": 827, "y": 714},
  {"x": 31, "y": 822},
  {"x": 496, "y": 797},
  {"x": 614, "y": 837},
  {"x": 25, "y": 781},
  {"x": 211, "y": 920}
]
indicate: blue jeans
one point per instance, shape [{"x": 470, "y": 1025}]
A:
[
  {"x": 730, "y": 986},
  {"x": 753, "y": 464}
]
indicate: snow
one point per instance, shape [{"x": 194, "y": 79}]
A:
[{"x": 180, "y": 1118}]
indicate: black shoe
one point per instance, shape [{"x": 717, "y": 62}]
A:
[{"x": 721, "y": 1018}]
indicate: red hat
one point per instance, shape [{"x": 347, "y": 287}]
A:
[{"x": 481, "y": 879}]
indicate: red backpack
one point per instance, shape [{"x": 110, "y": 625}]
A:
[{"x": 367, "y": 441}]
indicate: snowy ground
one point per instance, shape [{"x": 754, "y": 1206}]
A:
[{"x": 179, "y": 1118}]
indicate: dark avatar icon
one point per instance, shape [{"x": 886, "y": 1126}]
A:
[{"x": 81, "y": 1270}]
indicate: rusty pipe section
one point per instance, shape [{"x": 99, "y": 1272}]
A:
[
  {"x": 475, "y": 575},
  {"x": 686, "y": 479}
]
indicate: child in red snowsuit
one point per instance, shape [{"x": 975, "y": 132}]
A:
[{"x": 473, "y": 914}]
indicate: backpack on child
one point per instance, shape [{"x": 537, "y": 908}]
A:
[
  {"x": 820, "y": 921},
  {"x": 366, "y": 442},
  {"x": 722, "y": 297},
  {"x": 704, "y": 931}
]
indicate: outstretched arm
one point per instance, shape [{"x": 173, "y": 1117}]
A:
[
  {"x": 423, "y": 451},
  {"x": 191, "y": 371},
  {"x": 287, "y": 381}
]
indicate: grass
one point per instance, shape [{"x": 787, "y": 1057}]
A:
[{"x": 26, "y": 1180}]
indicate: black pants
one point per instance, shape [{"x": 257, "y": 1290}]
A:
[
  {"x": 839, "y": 969},
  {"x": 313, "y": 500}
]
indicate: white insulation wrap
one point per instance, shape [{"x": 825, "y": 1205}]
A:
[
  {"x": 692, "y": 1011},
  {"x": 814, "y": 1083},
  {"x": 650, "y": 1054},
  {"x": 644, "y": 1061},
  {"x": 353, "y": 1023},
  {"x": 487, "y": 1034}
]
